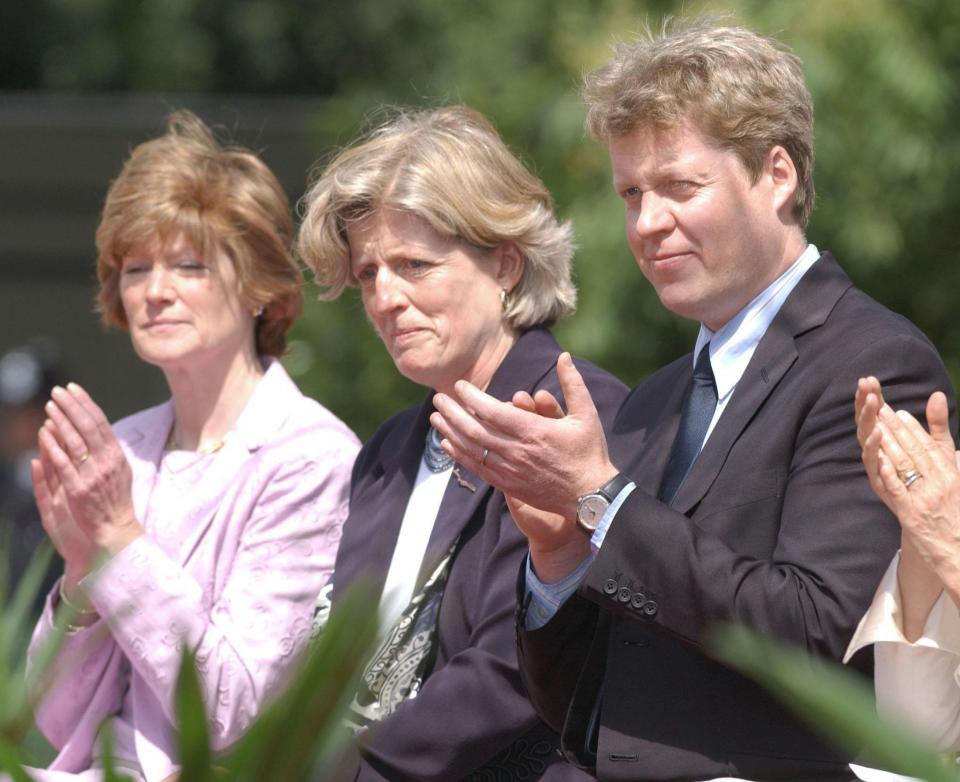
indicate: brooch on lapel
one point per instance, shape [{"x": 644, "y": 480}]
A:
[{"x": 461, "y": 481}]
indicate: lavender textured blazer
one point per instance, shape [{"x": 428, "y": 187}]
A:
[{"x": 263, "y": 525}]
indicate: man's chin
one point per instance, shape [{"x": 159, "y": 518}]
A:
[{"x": 685, "y": 306}]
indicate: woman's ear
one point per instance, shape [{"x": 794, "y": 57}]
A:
[{"x": 510, "y": 264}]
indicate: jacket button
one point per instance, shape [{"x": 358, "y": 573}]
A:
[
  {"x": 609, "y": 587},
  {"x": 651, "y": 607},
  {"x": 638, "y": 600},
  {"x": 624, "y": 595}
]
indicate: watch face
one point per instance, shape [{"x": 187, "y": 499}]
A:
[{"x": 591, "y": 509}]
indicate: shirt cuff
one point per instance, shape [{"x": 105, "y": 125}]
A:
[
  {"x": 882, "y": 623},
  {"x": 547, "y": 599},
  {"x": 596, "y": 540}
]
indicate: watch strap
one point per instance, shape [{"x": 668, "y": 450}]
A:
[{"x": 614, "y": 486}]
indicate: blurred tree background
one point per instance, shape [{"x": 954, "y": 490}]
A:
[{"x": 883, "y": 73}]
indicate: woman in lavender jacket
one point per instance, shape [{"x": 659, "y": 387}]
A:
[{"x": 212, "y": 520}]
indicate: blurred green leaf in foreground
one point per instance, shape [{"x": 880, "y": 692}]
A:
[{"x": 831, "y": 700}]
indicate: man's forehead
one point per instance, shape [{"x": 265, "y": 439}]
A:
[{"x": 658, "y": 148}]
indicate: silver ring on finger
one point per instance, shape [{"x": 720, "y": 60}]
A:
[
  {"x": 483, "y": 457},
  {"x": 909, "y": 477}
]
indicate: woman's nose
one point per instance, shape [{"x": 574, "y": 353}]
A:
[
  {"x": 159, "y": 284},
  {"x": 388, "y": 292}
]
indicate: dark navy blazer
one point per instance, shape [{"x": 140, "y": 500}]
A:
[
  {"x": 472, "y": 715},
  {"x": 775, "y": 527}
]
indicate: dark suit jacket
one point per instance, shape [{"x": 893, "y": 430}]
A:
[
  {"x": 472, "y": 711},
  {"x": 775, "y": 527}
]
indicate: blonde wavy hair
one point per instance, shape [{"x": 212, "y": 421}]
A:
[
  {"x": 222, "y": 198},
  {"x": 449, "y": 167},
  {"x": 744, "y": 91}
]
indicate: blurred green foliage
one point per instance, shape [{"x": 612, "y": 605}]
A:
[
  {"x": 833, "y": 701},
  {"x": 20, "y": 742},
  {"x": 883, "y": 73}
]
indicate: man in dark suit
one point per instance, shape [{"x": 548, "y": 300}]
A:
[{"x": 730, "y": 486}]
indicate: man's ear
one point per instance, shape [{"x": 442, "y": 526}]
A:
[
  {"x": 783, "y": 178},
  {"x": 510, "y": 265}
]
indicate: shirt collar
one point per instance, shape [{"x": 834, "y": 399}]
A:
[{"x": 733, "y": 344}]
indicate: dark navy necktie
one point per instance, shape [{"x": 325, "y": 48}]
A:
[{"x": 698, "y": 409}]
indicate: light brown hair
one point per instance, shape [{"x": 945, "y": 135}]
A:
[
  {"x": 449, "y": 167},
  {"x": 742, "y": 90}
]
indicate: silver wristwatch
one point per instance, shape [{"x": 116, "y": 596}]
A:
[{"x": 592, "y": 506}]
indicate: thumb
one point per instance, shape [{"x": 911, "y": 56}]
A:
[
  {"x": 575, "y": 392},
  {"x": 513, "y": 504},
  {"x": 938, "y": 419}
]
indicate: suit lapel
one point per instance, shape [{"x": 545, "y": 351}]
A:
[
  {"x": 807, "y": 307},
  {"x": 458, "y": 506},
  {"x": 770, "y": 362},
  {"x": 143, "y": 448},
  {"x": 264, "y": 414},
  {"x": 641, "y": 437},
  {"x": 376, "y": 513},
  {"x": 645, "y": 463}
]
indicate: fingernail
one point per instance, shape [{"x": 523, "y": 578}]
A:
[
  {"x": 49, "y": 407},
  {"x": 57, "y": 391},
  {"x": 73, "y": 387}
]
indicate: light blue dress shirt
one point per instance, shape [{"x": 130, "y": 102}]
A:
[{"x": 731, "y": 348}]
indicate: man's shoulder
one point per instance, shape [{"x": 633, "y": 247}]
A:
[
  {"x": 826, "y": 305},
  {"x": 869, "y": 314},
  {"x": 859, "y": 323}
]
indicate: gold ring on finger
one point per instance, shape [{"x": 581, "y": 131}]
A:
[
  {"x": 483, "y": 457},
  {"x": 82, "y": 458}
]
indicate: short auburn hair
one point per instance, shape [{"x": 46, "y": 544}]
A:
[{"x": 221, "y": 198}]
